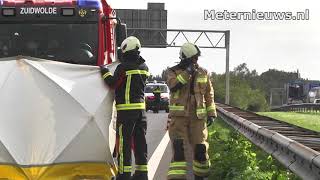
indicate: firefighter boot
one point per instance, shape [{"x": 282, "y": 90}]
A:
[
  {"x": 198, "y": 177},
  {"x": 124, "y": 176},
  {"x": 201, "y": 162},
  {"x": 140, "y": 176},
  {"x": 178, "y": 166}
]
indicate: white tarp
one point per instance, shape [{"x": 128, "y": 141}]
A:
[{"x": 52, "y": 112}]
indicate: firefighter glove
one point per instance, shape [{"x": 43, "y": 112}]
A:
[
  {"x": 190, "y": 69},
  {"x": 185, "y": 63},
  {"x": 210, "y": 120},
  {"x": 103, "y": 69}
]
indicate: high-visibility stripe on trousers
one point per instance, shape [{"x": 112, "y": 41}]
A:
[
  {"x": 131, "y": 129},
  {"x": 201, "y": 169},
  {"x": 177, "y": 170},
  {"x": 184, "y": 131}
]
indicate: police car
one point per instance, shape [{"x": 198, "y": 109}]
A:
[{"x": 150, "y": 98}]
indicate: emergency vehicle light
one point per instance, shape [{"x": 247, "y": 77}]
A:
[
  {"x": 1, "y": 2},
  {"x": 8, "y": 12},
  {"x": 90, "y": 3},
  {"x": 13, "y": 1},
  {"x": 59, "y": 1}
]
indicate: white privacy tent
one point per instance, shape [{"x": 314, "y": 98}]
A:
[{"x": 56, "y": 121}]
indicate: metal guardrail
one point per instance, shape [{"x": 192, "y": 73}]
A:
[
  {"x": 301, "y": 160},
  {"x": 306, "y": 107}
]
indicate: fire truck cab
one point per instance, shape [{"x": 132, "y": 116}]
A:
[
  {"x": 51, "y": 116},
  {"x": 73, "y": 31}
]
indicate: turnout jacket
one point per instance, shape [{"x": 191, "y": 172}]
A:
[
  {"x": 129, "y": 81},
  {"x": 182, "y": 86}
]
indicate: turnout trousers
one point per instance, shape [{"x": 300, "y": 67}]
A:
[
  {"x": 131, "y": 131},
  {"x": 184, "y": 132}
]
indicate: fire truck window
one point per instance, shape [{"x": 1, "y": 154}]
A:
[{"x": 58, "y": 42}]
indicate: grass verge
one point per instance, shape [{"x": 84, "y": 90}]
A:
[
  {"x": 306, "y": 120},
  {"x": 233, "y": 157}
]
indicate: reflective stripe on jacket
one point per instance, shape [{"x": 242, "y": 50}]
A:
[
  {"x": 130, "y": 93},
  {"x": 179, "y": 82}
]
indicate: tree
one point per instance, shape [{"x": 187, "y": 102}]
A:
[
  {"x": 162, "y": 77},
  {"x": 275, "y": 79},
  {"x": 244, "y": 91}
]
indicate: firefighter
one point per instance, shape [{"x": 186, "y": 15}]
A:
[
  {"x": 129, "y": 80},
  {"x": 192, "y": 110},
  {"x": 157, "y": 98}
]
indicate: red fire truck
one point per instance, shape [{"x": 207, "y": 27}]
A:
[
  {"x": 84, "y": 32},
  {"x": 73, "y": 31}
]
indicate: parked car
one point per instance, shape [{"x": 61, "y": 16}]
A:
[{"x": 150, "y": 98}]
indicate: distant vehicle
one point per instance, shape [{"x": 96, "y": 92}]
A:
[
  {"x": 150, "y": 99},
  {"x": 295, "y": 93},
  {"x": 299, "y": 91},
  {"x": 314, "y": 95}
]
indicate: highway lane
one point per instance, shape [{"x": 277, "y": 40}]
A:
[
  {"x": 159, "y": 147},
  {"x": 157, "y": 123},
  {"x": 159, "y": 151}
]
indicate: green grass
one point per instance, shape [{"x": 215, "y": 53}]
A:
[
  {"x": 306, "y": 120},
  {"x": 233, "y": 157}
]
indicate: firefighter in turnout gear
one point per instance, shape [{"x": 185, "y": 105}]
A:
[
  {"x": 157, "y": 99},
  {"x": 129, "y": 80},
  {"x": 192, "y": 109}
]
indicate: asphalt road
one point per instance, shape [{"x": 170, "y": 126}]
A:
[{"x": 159, "y": 148}]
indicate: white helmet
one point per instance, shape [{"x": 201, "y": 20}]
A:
[
  {"x": 189, "y": 50},
  {"x": 130, "y": 43}
]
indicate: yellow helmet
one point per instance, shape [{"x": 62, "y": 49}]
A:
[
  {"x": 130, "y": 43},
  {"x": 189, "y": 50}
]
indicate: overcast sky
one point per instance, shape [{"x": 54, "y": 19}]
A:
[{"x": 282, "y": 45}]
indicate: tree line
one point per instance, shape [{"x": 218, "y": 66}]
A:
[{"x": 248, "y": 89}]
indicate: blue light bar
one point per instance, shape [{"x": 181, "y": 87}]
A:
[
  {"x": 1, "y": 2},
  {"x": 90, "y": 4}
]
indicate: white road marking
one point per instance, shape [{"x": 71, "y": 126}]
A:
[{"x": 157, "y": 156}]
